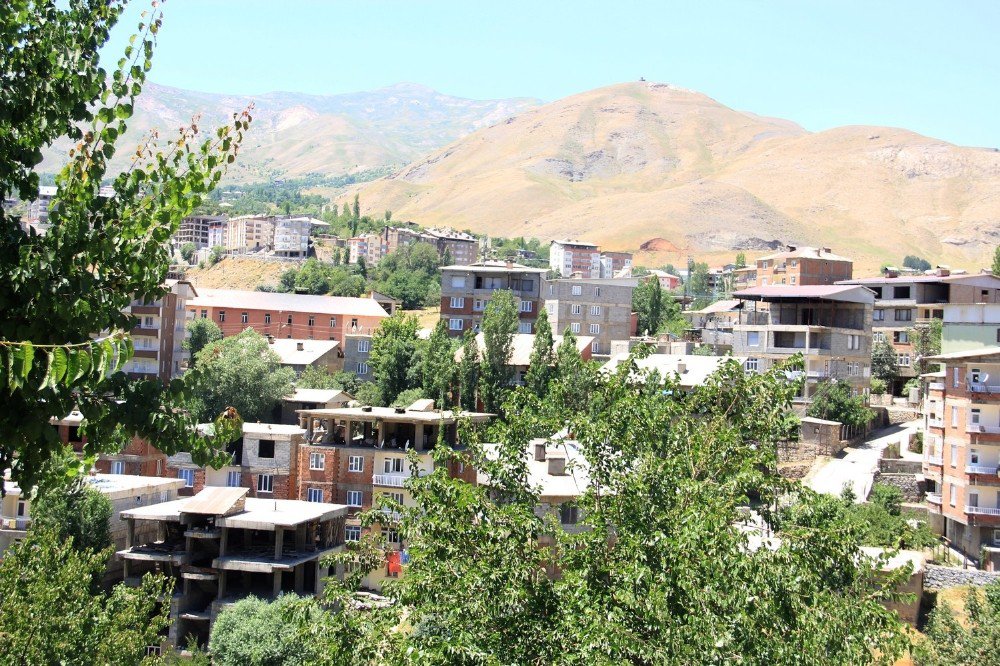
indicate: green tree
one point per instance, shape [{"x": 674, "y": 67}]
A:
[
  {"x": 216, "y": 254},
  {"x": 949, "y": 643},
  {"x": 647, "y": 302},
  {"x": 70, "y": 508},
  {"x": 317, "y": 378},
  {"x": 201, "y": 332},
  {"x": 393, "y": 351},
  {"x": 698, "y": 286},
  {"x": 62, "y": 288},
  {"x": 833, "y": 401},
  {"x": 49, "y": 615},
  {"x": 996, "y": 261},
  {"x": 368, "y": 393},
  {"x": 437, "y": 367},
  {"x": 499, "y": 327},
  {"x": 187, "y": 251},
  {"x": 916, "y": 263},
  {"x": 741, "y": 260},
  {"x": 884, "y": 365},
  {"x": 254, "y": 632},
  {"x": 243, "y": 372},
  {"x": 411, "y": 275},
  {"x": 926, "y": 341},
  {"x": 571, "y": 391},
  {"x": 542, "y": 361},
  {"x": 468, "y": 371}
]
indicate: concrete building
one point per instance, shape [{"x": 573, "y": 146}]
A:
[
  {"x": 601, "y": 309},
  {"x": 713, "y": 324},
  {"x": 159, "y": 334},
  {"x": 300, "y": 354},
  {"x": 905, "y": 302},
  {"x": 465, "y": 291},
  {"x": 221, "y": 546},
  {"x": 522, "y": 346},
  {"x": 962, "y": 452},
  {"x": 615, "y": 265},
  {"x": 250, "y": 233},
  {"x": 689, "y": 370},
  {"x": 311, "y": 399},
  {"x": 298, "y": 316},
  {"x": 668, "y": 281},
  {"x": 201, "y": 230},
  {"x": 970, "y": 326},
  {"x": 567, "y": 257},
  {"x": 370, "y": 247},
  {"x": 830, "y": 325},
  {"x": 357, "y": 347},
  {"x": 461, "y": 247},
  {"x": 292, "y": 234},
  {"x": 803, "y": 266},
  {"x": 355, "y": 454}
]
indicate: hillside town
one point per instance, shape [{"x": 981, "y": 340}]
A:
[{"x": 409, "y": 378}]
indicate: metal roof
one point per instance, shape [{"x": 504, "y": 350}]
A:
[
  {"x": 312, "y": 350},
  {"x": 967, "y": 354},
  {"x": 829, "y": 292},
  {"x": 277, "y": 302}
]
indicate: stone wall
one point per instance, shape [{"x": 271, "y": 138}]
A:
[
  {"x": 938, "y": 578},
  {"x": 912, "y": 489},
  {"x": 899, "y": 466},
  {"x": 897, "y": 415}
]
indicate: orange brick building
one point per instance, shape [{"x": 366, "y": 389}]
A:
[{"x": 803, "y": 266}]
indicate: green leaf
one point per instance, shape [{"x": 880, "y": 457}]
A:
[
  {"x": 57, "y": 365},
  {"x": 27, "y": 357},
  {"x": 47, "y": 379}
]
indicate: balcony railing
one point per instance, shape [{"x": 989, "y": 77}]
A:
[
  {"x": 389, "y": 480},
  {"x": 982, "y": 387},
  {"x": 934, "y": 498},
  {"x": 980, "y": 469},
  {"x": 935, "y": 460},
  {"x": 981, "y": 428},
  {"x": 935, "y": 423},
  {"x": 15, "y": 523},
  {"x": 982, "y": 510},
  {"x": 936, "y": 386}
]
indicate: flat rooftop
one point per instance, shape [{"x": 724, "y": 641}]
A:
[
  {"x": 276, "y": 302},
  {"x": 390, "y": 414},
  {"x": 826, "y": 292},
  {"x": 258, "y": 514}
]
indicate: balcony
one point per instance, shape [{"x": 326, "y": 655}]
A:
[
  {"x": 934, "y": 460},
  {"x": 390, "y": 480},
  {"x": 982, "y": 510},
  {"x": 983, "y": 387},
  {"x": 979, "y": 428},
  {"x": 980, "y": 469},
  {"x": 935, "y": 422},
  {"x": 936, "y": 386},
  {"x": 934, "y": 498},
  {"x": 15, "y": 523}
]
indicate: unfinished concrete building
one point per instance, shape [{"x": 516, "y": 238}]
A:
[{"x": 221, "y": 546}]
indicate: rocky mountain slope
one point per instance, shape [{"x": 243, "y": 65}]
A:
[
  {"x": 295, "y": 134},
  {"x": 650, "y": 165}
]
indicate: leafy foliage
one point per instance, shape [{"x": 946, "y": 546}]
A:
[
  {"x": 499, "y": 326},
  {"x": 916, "y": 263},
  {"x": 647, "y": 303},
  {"x": 187, "y": 251},
  {"x": 949, "y": 643},
  {"x": 468, "y": 371},
  {"x": 62, "y": 287},
  {"x": 833, "y": 401},
  {"x": 69, "y": 508},
  {"x": 321, "y": 278},
  {"x": 49, "y": 614},
  {"x": 884, "y": 365},
  {"x": 392, "y": 356},
  {"x": 926, "y": 341},
  {"x": 437, "y": 365},
  {"x": 411, "y": 275},
  {"x": 995, "y": 269},
  {"x": 201, "y": 332},
  {"x": 698, "y": 286},
  {"x": 313, "y": 377},
  {"x": 541, "y": 366},
  {"x": 242, "y": 372}
]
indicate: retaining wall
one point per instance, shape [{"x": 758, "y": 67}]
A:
[{"x": 937, "y": 577}]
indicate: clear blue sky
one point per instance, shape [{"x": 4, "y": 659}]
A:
[{"x": 933, "y": 67}]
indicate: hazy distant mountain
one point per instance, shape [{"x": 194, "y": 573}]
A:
[
  {"x": 649, "y": 164},
  {"x": 294, "y": 134}
]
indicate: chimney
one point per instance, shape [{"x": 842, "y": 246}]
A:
[
  {"x": 270, "y": 339},
  {"x": 540, "y": 451},
  {"x": 300, "y": 346},
  {"x": 681, "y": 367},
  {"x": 827, "y": 250},
  {"x": 557, "y": 465},
  {"x": 943, "y": 271}
]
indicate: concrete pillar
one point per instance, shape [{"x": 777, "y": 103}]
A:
[
  {"x": 300, "y": 578},
  {"x": 276, "y": 589},
  {"x": 130, "y": 533},
  {"x": 318, "y": 586},
  {"x": 222, "y": 584},
  {"x": 125, "y": 569},
  {"x": 300, "y": 537},
  {"x": 279, "y": 537},
  {"x": 223, "y": 542},
  {"x": 418, "y": 435}
]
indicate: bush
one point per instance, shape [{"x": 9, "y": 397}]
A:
[
  {"x": 261, "y": 633},
  {"x": 918, "y": 442},
  {"x": 878, "y": 386},
  {"x": 407, "y": 397},
  {"x": 369, "y": 394}
]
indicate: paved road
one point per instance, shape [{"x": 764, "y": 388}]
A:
[{"x": 856, "y": 465}]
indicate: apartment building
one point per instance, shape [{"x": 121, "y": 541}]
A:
[
  {"x": 311, "y": 399},
  {"x": 221, "y": 546},
  {"x": 905, "y": 302},
  {"x": 962, "y": 452},
  {"x": 159, "y": 333},
  {"x": 600, "y": 309},
  {"x": 615, "y": 265},
  {"x": 292, "y": 236},
  {"x": 249, "y": 233},
  {"x": 355, "y": 454},
  {"x": 668, "y": 281},
  {"x": 370, "y": 247},
  {"x": 202, "y": 230},
  {"x": 465, "y": 291},
  {"x": 301, "y": 354},
  {"x": 462, "y": 248},
  {"x": 803, "y": 266},
  {"x": 357, "y": 348},
  {"x": 567, "y": 257},
  {"x": 522, "y": 346},
  {"x": 830, "y": 325},
  {"x": 970, "y": 326},
  {"x": 713, "y": 324},
  {"x": 298, "y": 316}
]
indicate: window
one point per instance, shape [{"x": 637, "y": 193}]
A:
[
  {"x": 188, "y": 476},
  {"x": 333, "y": 322},
  {"x": 117, "y": 466},
  {"x": 458, "y": 281},
  {"x": 396, "y": 497},
  {"x": 458, "y": 301},
  {"x": 314, "y": 494},
  {"x": 392, "y": 466},
  {"x": 288, "y": 320},
  {"x": 901, "y": 337},
  {"x": 265, "y": 448},
  {"x": 234, "y": 479},
  {"x": 527, "y": 285},
  {"x": 904, "y": 315},
  {"x": 356, "y": 464},
  {"x": 575, "y": 327},
  {"x": 901, "y": 292},
  {"x": 595, "y": 310},
  {"x": 753, "y": 338},
  {"x": 793, "y": 278},
  {"x": 576, "y": 290},
  {"x": 222, "y": 315},
  {"x": 267, "y": 317},
  {"x": 878, "y": 315},
  {"x": 527, "y": 306},
  {"x": 854, "y": 342},
  {"x": 354, "y": 498},
  {"x": 265, "y": 483},
  {"x": 878, "y": 336},
  {"x": 595, "y": 347},
  {"x": 974, "y": 457},
  {"x": 903, "y": 360},
  {"x": 524, "y": 327},
  {"x": 147, "y": 322},
  {"x": 204, "y": 314},
  {"x": 352, "y": 533},
  {"x": 752, "y": 365},
  {"x": 454, "y": 324},
  {"x": 317, "y": 461},
  {"x": 362, "y": 368},
  {"x": 974, "y": 416},
  {"x": 569, "y": 514},
  {"x": 244, "y": 317},
  {"x": 951, "y": 495},
  {"x": 479, "y": 305},
  {"x": 597, "y": 291},
  {"x": 22, "y": 508},
  {"x": 954, "y": 377},
  {"x": 364, "y": 346},
  {"x": 392, "y": 536},
  {"x": 576, "y": 309},
  {"x": 354, "y": 323},
  {"x": 595, "y": 329},
  {"x": 954, "y": 416},
  {"x": 311, "y": 321}
]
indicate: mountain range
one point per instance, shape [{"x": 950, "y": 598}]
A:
[{"x": 642, "y": 166}]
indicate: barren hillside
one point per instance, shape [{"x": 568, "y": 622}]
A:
[{"x": 629, "y": 163}]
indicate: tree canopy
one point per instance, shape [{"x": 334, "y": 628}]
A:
[
  {"x": 201, "y": 332},
  {"x": 884, "y": 365},
  {"x": 253, "y": 632},
  {"x": 392, "y": 356},
  {"x": 833, "y": 401},
  {"x": 499, "y": 327},
  {"x": 69, "y": 508}
]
